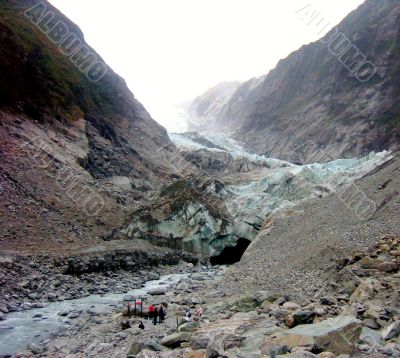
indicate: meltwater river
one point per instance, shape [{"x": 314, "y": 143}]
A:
[{"x": 35, "y": 325}]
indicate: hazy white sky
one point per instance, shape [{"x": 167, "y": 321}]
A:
[{"x": 170, "y": 51}]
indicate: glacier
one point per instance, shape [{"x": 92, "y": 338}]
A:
[
  {"x": 253, "y": 197},
  {"x": 234, "y": 194}
]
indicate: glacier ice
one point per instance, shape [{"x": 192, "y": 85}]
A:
[{"x": 254, "y": 196}]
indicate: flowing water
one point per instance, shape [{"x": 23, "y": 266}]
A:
[{"x": 35, "y": 325}]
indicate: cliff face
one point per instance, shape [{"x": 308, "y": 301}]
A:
[
  {"x": 49, "y": 78},
  {"x": 312, "y": 101},
  {"x": 78, "y": 151}
]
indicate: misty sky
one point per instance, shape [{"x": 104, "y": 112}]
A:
[{"x": 170, "y": 51}]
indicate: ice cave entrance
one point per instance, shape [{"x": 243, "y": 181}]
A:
[{"x": 231, "y": 254}]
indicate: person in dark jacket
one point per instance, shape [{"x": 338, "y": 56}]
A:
[
  {"x": 155, "y": 316},
  {"x": 161, "y": 314}
]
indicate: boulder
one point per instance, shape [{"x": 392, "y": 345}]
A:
[
  {"x": 337, "y": 335},
  {"x": 273, "y": 298},
  {"x": 370, "y": 263},
  {"x": 137, "y": 347},
  {"x": 153, "y": 276},
  {"x": 290, "y": 306},
  {"x": 196, "y": 354},
  {"x": 303, "y": 317},
  {"x": 198, "y": 277},
  {"x": 365, "y": 290},
  {"x": 175, "y": 339},
  {"x": 158, "y": 291},
  {"x": 299, "y": 317},
  {"x": 266, "y": 304},
  {"x": 3, "y": 308},
  {"x": 200, "y": 341},
  {"x": 328, "y": 301},
  {"x": 270, "y": 350},
  {"x": 73, "y": 314},
  {"x": 348, "y": 287},
  {"x": 370, "y": 337},
  {"x": 388, "y": 267},
  {"x": 241, "y": 303},
  {"x": 188, "y": 327},
  {"x": 371, "y": 323},
  {"x": 372, "y": 313},
  {"x": 34, "y": 348},
  {"x": 220, "y": 343},
  {"x": 391, "y": 331}
]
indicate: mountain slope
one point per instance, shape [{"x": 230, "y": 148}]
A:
[
  {"x": 42, "y": 82},
  {"x": 78, "y": 153},
  {"x": 311, "y": 97},
  {"x": 299, "y": 250}
]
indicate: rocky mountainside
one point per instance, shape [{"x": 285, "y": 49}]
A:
[
  {"x": 323, "y": 95},
  {"x": 78, "y": 151}
]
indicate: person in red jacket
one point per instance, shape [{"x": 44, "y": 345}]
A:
[{"x": 151, "y": 311}]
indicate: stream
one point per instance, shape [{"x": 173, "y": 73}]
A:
[{"x": 33, "y": 326}]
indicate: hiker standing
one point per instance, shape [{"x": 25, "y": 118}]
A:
[
  {"x": 151, "y": 311},
  {"x": 155, "y": 315},
  {"x": 129, "y": 310},
  {"x": 161, "y": 314}
]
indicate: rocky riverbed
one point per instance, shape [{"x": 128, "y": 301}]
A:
[
  {"x": 30, "y": 281},
  {"x": 97, "y": 325},
  {"x": 357, "y": 316}
]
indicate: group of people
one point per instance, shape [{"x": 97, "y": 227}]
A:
[{"x": 157, "y": 313}]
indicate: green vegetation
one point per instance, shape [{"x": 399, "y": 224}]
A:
[{"x": 38, "y": 79}]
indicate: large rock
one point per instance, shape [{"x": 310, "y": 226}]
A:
[
  {"x": 175, "y": 339},
  {"x": 220, "y": 344},
  {"x": 365, "y": 290},
  {"x": 391, "y": 331},
  {"x": 154, "y": 276},
  {"x": 188, "y": 327},
  {"x": 241, "y": 303},
  {"x": 388, "y": 267},
  {"x": 158, "y": 291},
  {"x": 370, "y": 263},
  {"x": 299, "y": 317},
  {"x": 337, "y": 335},
  {"x": 3, "y": 308},
  {"x": 370, "y": 337},
  {"x": 36, "y": 349},
  {"x": 198, "y": 277},
  {"x": 138, "y": 346}
]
